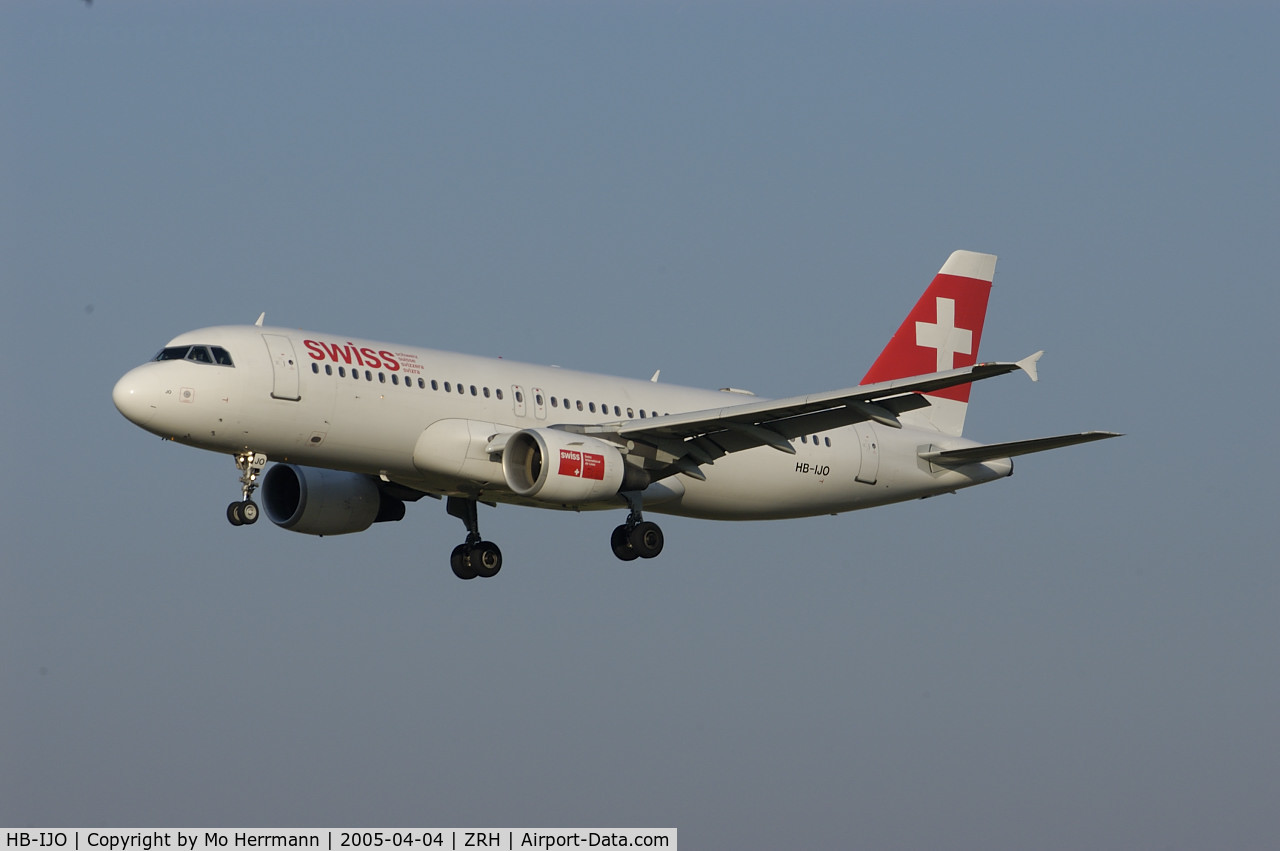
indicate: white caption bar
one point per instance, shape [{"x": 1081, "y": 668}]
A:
[{"x": 416, "y": 839}]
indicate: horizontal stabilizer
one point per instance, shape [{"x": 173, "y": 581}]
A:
[{"x": 975, "y": 454}]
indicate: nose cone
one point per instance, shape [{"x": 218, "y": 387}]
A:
[{"x": 132, "y": 399}]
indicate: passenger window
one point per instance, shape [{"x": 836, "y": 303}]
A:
[
  {"x": 592, "y": 406},
  {"x": 617, "y": 412},
  {"x": 579, "y": 404},
  {"x": 422, "y": 385},
  {"x": 804, "y": 438},
  {"x": 315, "y": 367},
  {"x": 448, "y": 388},
  {"x": 395, "y": 379},
  {"x": 473, "y": 390},
  {"x": 342, "y": 372},
  {"x": 553, "y": 402},
  {"x": 328, "y": 369},
  {"x": 486, "y": 392},
  {"x": 499, "y": 392},
  {"x": 519, "y": 397},
  {"x": 382, "y": 378},
  {"x": 827, "y": 440},
  {"x": 461, "y": 389}
]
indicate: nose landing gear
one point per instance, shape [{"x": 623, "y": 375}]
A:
[
  {"x": 250, "y": 465},
  {"x": 242, "y": 513}
]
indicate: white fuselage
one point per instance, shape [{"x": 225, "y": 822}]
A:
[{"x": 408, "y": 414}]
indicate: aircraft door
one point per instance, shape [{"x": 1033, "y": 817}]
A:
[
  {"x": 517, "y": 399},
  {"x": 539, "y": 403},
  {"x": 869, "y": 466},
  {"x": 284, "y": 367}
]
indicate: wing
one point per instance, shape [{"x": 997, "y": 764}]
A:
[{"x": 681, "y": 443}]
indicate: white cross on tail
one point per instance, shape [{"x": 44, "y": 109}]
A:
[{"x": 945, "y": 336}]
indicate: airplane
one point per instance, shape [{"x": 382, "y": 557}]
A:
[{"x": 358, "y": 428}]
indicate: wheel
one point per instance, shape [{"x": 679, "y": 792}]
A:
[
  {"x": 621, "y": 543},
  {"x": 234, "y": 515},
  {"x": 646, "y": 539},
  {"x": 249, "y": 512},
  {"x": 461, "y": 563},
  {"x": 486, "y": 559}
]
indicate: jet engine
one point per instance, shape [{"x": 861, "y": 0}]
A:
[
  {"x": 315, "y": 501},
  {"x": 570, "y": 469}
]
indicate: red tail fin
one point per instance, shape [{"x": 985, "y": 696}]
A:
[{"x": 942, "y": 332}]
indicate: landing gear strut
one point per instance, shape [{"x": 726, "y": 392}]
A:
[
  {"x": 476, "y": 557},
  {"x": 637, "y": 538},
  {"x": 250, "y": 465}
]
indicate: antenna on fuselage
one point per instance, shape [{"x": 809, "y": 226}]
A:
[{"x": 261, "y": 316}]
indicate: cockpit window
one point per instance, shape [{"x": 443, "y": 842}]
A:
[
  {"x": 196, "y": 354},
  {"x": 173, "y": 353}
]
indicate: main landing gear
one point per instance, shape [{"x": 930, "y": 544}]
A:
[
  {"x": 250, "y": 465},
  {"x": 637, "y": 538},
  {"x": 475, "y": 557}
]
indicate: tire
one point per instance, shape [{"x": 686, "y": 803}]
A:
[
  {"x": 249, "y": 512},
  {"x": 486, "y": 559},
  {"x": 621, "y": 543},
  {"x": 233, "y": 514},
  {"x": 461, "y": 564},
  {"x": 647, "y": 539}
]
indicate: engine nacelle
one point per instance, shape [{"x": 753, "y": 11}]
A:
[
  {"x": 315, "y": 501},
  {"x": 569, "y": 469}
]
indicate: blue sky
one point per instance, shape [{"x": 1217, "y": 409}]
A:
[{"x": 752, "y": 195}]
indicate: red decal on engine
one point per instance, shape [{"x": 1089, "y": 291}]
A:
[
  {"x": 570, "y": 463},
  {"x": 581, "y": 465},
  {"x": 592, "y": 466}
]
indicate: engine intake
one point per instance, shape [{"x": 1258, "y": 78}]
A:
[{"x": 316, "y": 501}]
